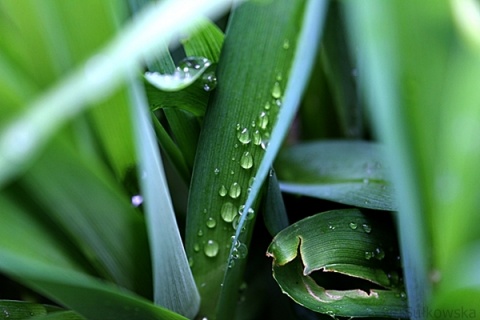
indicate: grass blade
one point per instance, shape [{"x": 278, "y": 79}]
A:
[
  {"x": 177, "y": 291},
  {"x": 98, "y": 78}
]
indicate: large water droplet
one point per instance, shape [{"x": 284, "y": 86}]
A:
[
  {"x": 276, "y": 91},
  {"x": 211, "y": 223},
  {"x": 222, "y": 191},
  {"x": 228, "y": 212},
  {"x": 211, "y": 248},
  {"x": 209, "y": 81},
  {"x": 244, "y": 136},
  {"x": 262, "y": 120},
  {"x": 367, "y": 228},
  {"x": 235, "y": 190},
  {"x": 246, "y": 161}
]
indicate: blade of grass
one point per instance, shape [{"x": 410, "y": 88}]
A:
[
  {"x": 379, "y": 54},
  {"x": 177, "y": 291},
  {"x": 95, "y": 80},
  {"x": 237, "y": 127}
]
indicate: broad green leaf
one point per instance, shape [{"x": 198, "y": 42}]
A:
[
  {"x": 174, "y": 287},
  {"x": 349, "y": 172},
  {"x": 97, "y": 78},
  {"x": 86, "y": 203},
  {"x": 346, "y": 242},
  {"x": 253, "y": 71}
]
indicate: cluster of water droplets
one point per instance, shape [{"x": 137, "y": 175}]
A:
[{"x": 188, "y": 71}]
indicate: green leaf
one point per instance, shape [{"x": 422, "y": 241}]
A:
[
  {"x": 90, "y": 297},
  {"x": 345, "y": 242},
  {"x": 349, "y": 172},
  {"x": 274, "y": 212},
  {"x": 205, "y": 40},
  {"x": 60, "y": 315},
  {"x": 237, "y": 126},
  {"x": 87, "y": 204},
  {"x": 174, "y": 287},
  {"x": 94, "y": 80},
  {"x": 18, "y": 310}
]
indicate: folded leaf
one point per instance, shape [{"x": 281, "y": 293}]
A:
[{"x": 353, "y": 255}]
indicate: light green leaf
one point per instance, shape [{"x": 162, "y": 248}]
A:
[
  {"x": 96, "y": 79},
  {"x": 349, "y": 172},
  {"x": 347, "y": 242},
  {"x": 177, "y": 291}
]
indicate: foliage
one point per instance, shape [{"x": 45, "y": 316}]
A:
[{"x": 152, "y": 153}]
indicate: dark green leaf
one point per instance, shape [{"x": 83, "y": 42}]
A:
[{"x": 349, "y": 172}]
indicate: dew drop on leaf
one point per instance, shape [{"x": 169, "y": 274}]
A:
[
  {"x": 228, "y": 212},
  {"x": 235, "y": 190},
  {"x": 223, "y": 191},
  {"x": 211, "y": 223},
  {"x": 246, "y": 161},
  {"x": 244, "y": 136},
  {"x": 211, "y": 248},
  {"x": 276, "y": 91},
  {"x": 367, "y": 228}
]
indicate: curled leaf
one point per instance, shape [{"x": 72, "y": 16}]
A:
[{"x": 341, "y": 262}]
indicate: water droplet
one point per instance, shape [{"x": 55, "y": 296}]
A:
[
  {"x": 231, "y": 263},
  {"x": 216, "y": 171},
  {"x": 223, "y": 191},
  {"x": 200, "y": 233},
  {"x": 257, "y": 138},
  {"x": 251, "y": 181},
  {"x": 267, "y": 105},
  {"x": 403, "y": 295},
  {"x": 393, "y": 276},
  {"x": 190, "y": 262},
  {"x": 196, "y": 247},
  {"x": 209, "y": 81},
  {"x": 379, "y": 254},
  {"x": 353, "y": 225},
  {"x": 367, "y": 228},
  {"x": 239, "y": 251},
  {"x": 211, "y": 248},
  {"x": 194, "y": 63},
  {"x": 228, "y": 212},
  {"x": 246, "y": 161},
  {"x": 253, "y": 124},
  {"x": 286, "y": 44},
  {"x": 232, "y": 172},
  {"x": 331, "y": 227},
  {"x": 244, "y": 136},
  {"x": 276, "y": 91},
  {"x": 262, "y": 120},
  {"x": 235, "y": 190},
  {"x": 279, "y": 77},
  {"x": 368, "y": 255},
  {"x": 250, "y": 212},
  {"x": 211, "y": 223},
  {"x": 137, "y": 200}
]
